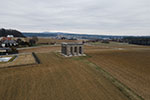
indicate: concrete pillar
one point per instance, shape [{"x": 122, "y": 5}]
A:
[
  {"x": 71, "y": 50},
  {"x": 65, "y": 50},
  {"x": 82, "y": 50},
  {"x": 62, "y": 48},
  {"x": 73, "y": 53},
  {"x": 68, "y": 50},
  {"x": 77, "y": 50}
]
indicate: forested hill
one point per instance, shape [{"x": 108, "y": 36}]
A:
[{"x": 15, "y": 33}]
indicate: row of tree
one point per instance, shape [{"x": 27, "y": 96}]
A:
[
  {"x": 31, "y": 42},
  {"x": 138, "y": 40}
]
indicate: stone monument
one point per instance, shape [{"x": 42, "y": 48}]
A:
[{"x": 72, "y": 49}]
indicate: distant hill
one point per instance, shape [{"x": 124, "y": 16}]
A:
[
  {"x": 79, "y": 36},
  {"x": 70, "y": 35},
  {"x": 15, "y": 33},
  {"x": 40, "y": 34}
]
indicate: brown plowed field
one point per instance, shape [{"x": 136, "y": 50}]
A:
[
  {"x": 131, "y": 67},
  {"x": 57, "y": 78}
]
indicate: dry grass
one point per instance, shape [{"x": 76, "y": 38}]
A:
[
  {"x": 131, "y": 67},
  {"x": 23, "y": 59},
  {"x": 57, "y": 78},
  {"x": 50, "y": 40},
  {"x": 117, "y": 45},
  {"x": 41, "y": 49}
]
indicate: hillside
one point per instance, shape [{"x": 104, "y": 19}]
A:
[{"x": 15, "y": 33}]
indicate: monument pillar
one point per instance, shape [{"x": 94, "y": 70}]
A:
[
  {"x": 73, "y": 53},
  {"x": 77, "y": 50},
  {"x": 67, "y": 50}
]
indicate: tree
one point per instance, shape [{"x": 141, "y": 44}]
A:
[
  {"x": 32, "y": 42},
  {"x": 35, "y": 38},
  {"x": 19, "y": 41}
]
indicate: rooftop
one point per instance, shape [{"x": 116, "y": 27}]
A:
[
  {"x": 5, "y": 48},
  {"x": 64, "y": 43}
]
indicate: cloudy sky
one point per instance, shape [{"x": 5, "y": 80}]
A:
[{"x": 111, "y": 17}]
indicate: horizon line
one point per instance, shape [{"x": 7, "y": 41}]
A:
[{"x": 67, "y": 32}]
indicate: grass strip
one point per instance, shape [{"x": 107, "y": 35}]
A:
[
  {"x": 13, "y": 58},
  {"x": 36, "y": 58}
]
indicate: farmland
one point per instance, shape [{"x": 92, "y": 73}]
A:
[
  {"x": 131, "y": 67},
  {"x": 57, "y": 78},
  {"x": 60, "y": 78},
  {"x": 51, "y": 40},
  {"x": 40, "y": 49}
]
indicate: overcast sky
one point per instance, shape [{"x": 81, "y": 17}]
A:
[{"x": 111, "y": 17}]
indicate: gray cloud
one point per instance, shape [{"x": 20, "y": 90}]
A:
[{"x": 115, "y": 17}]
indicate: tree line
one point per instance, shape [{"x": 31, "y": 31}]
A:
[{"x": 138, "y": 40}]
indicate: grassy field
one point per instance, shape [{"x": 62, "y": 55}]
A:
[
  {"x": 23, "y": 59},
  {"x": 57, "y": 78},
  {"x": 50, "y": 40},
  {"x": 41, "y": 49},
  {"x": 131, "y": 67},
  {"x": 117, "y": 45}
]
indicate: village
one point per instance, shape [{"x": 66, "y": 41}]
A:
[{"x": 9, "y": 45}]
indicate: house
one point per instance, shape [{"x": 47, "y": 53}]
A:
[
  {"x": 10, "y": 36},
  {"x": 8, "y": 43},
  {"x": 4, "y": 51}
]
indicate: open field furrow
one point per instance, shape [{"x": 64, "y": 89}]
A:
[
  {"x": 126, "y": 79},
  {"x": 113, "y": 67},
  {"x": 130, "y": 67}
]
